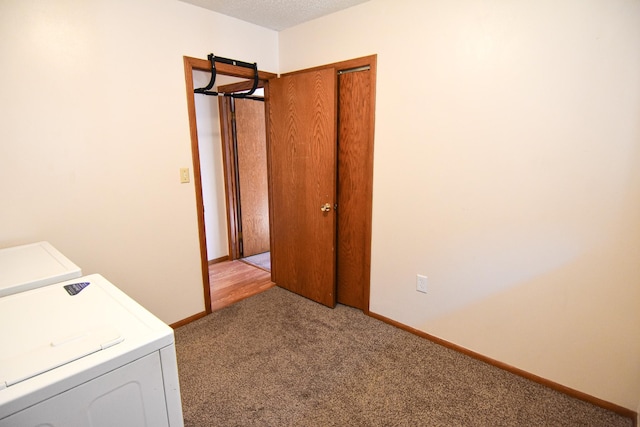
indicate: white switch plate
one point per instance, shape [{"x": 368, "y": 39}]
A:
[
  {"x": 184, "y": 175},
  {"x": 421, "y": 283}
]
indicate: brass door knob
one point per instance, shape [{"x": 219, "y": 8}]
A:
[{"x": 326, "y": 207}]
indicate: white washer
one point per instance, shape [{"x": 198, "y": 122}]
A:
[
  {"x": 82, "y": 353},
  {"x": 30, "y": 266}
]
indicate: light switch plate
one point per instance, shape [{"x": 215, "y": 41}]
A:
[{"x": 184, "y": 175}]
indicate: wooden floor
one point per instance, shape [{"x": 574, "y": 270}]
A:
[{"x": 232, "y": 281}]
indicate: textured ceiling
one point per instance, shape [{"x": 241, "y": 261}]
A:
[{"x": 275, "y": 14}]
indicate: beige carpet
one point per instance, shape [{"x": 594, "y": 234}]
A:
[
  {"x": 262, "y": 260},
  {"x": 277, "y": 359}
]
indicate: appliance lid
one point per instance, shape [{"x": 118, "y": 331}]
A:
[
  {"x": 53, "y": 331},
  {"x": 30, "y": 266},
  {"x": 58, "y": 336},
  {"x": 50, "y": 354}
]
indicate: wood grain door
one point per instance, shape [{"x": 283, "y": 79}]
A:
[
  {"x": 302, "y": 154},
  {"x": 355, "y": 163},
  {"x": 251, "y": 152}
]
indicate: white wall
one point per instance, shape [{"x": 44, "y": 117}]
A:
[
  {"x": 211, "y": 169},
  {"x": 507, "y": 169},
  {"x": 94, "y": 130}
]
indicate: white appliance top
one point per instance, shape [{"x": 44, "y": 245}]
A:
[
  {"x": 57, "y": 336},
  {"x": 30, "y": 266}
]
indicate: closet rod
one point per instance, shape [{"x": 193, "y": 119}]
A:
[{"x": 353, "y": 70}]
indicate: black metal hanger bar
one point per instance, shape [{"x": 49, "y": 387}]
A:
[{"x": 207, "y": 89}]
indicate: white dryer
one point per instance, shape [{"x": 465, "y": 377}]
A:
[
  {"x": 82, "y": 353},
  {"x": 30, "y": 266}
]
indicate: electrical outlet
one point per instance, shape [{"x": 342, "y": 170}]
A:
[
  {"x": 421, "y": 283},
  {"x": 184, "y": 175}
]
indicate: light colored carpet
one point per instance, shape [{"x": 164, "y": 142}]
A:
[
  {"x": 262, "y": 260},
  {"x": 277, "y": 359}
]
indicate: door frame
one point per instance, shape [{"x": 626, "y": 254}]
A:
[{"x": 191, "y": 64}]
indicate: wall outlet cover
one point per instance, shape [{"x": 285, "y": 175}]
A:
[{"x": 421, "y": 283}]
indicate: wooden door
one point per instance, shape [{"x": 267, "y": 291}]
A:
[
  {"x": 251, "y": 153},
  {"x": 302, "y": 154},
  {"x": 355, "y": 166}
]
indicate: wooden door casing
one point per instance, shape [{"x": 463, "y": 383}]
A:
[
  {"x": 190, "y": 64},
  {"x": 302, "y": 115}
]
